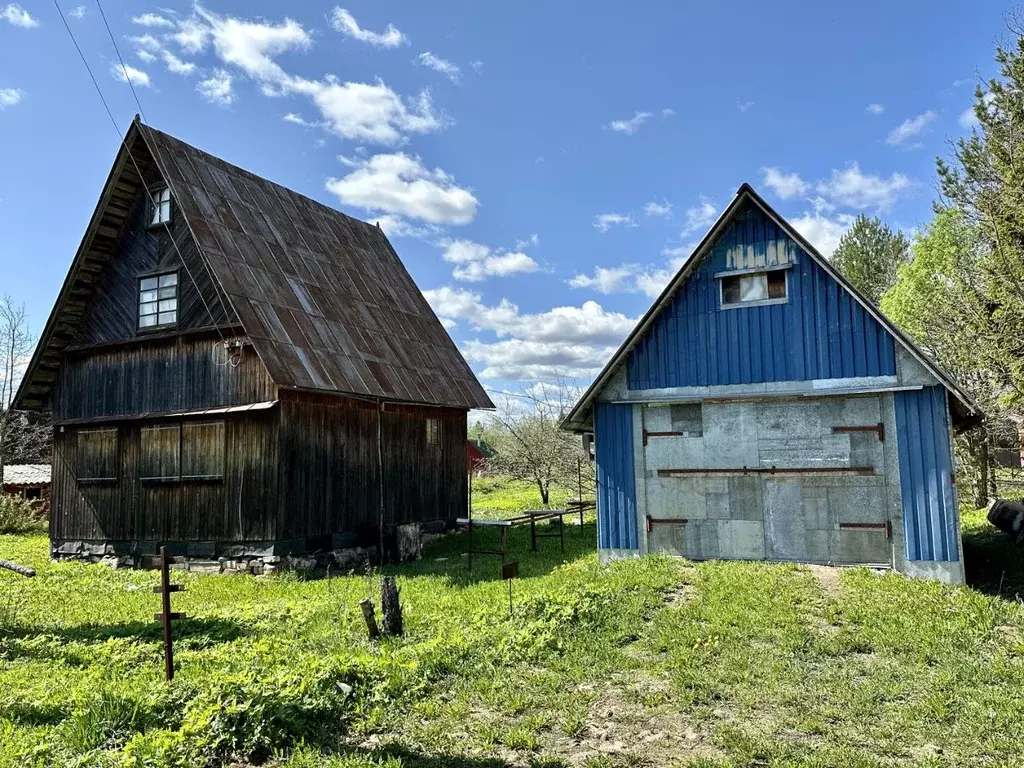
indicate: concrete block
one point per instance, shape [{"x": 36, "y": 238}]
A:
[
  {"x": 866, "y": 450},
  {"x": 861, "y": 547},
  {"x": 946, "y": 572},
  {"x": 730, "y": 435},
  {"x": 789, "y": 419},
  {"x": 718, "y": 505},
  {"x": 784, "y": 525},
  {"x": 687, "y": 418},
  {"x": 745, "y": 500},
  {"x": 817, "y": 544},
  {"x": 701, "y": 541},
  {"x": 676, "y": 497},
  {"x": 668, "y": 539},
  {"x": 857, "y": 504},
  {"x": 909, "y": 372},
  {"x": 674, "y": 453},
  {"x": 658, "y": 418},
  {"x": 816, "y": 511},
  {"x": 741, "y": 539}
]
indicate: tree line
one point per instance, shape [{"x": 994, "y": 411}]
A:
[{"x": 957, "y": 288}]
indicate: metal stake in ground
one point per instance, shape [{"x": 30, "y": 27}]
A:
[
  {"x": 508, "y": 572},
  {"x": 165, "y": 615}
]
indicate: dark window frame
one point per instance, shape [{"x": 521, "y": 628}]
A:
[
  {"x": 432, "y": 432},
  {"x": 155, "y": 204},
  {"x": 156, "y": 301},
  {"x": 179, "y": 477},
  {"x": 82, "y": 479},
  {"x": 773, "y": 278}
]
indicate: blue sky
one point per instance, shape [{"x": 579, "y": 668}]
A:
[{"x": 541, "y": 168}]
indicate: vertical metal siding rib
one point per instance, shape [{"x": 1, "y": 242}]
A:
[
  {"x": 616, "y": 484},
  {"x": 821, "y": 332},
  {"x": 926, "y": 483}
]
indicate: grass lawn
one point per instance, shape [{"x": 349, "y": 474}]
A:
[
  {"x": 496, "y": 497},
  {"x": 646, "y": 663}
]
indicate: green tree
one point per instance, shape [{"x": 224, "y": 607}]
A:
[
  {"x": 870, "y": 254},
  {"x": 985, "y": 181},
  {"x": 936, "y": 299}
]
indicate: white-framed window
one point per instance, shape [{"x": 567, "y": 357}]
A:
[
  {"x": 160, "y": 206},
  {"x": 158, "y": 300},
  {"x": 756, "y": 287}
]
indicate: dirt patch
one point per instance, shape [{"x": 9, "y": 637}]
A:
[{"x": 827, "y": 577}]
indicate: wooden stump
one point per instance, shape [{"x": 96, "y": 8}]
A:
[
  {"x": 370, "y": 618},
  {"x": 390, "y": 606}
]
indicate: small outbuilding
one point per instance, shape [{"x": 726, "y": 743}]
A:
[
  {"x": 236, "y": 370},
  {"x": 763, "y": 409},
  {"x": 29, "y": 481}
]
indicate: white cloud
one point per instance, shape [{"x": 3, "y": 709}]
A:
[
  {"x": 477, "y": 66},
  {"x": 145, "y": 56},
  {"x": 605, "y": 221},
  {"x": 570, "y": 341},
  {"x": 443, "y": 66},
  {"x": 784, "y": 185},
  {"x": 176, "y": 65},
  {"x": 192, "y": 35},
  {"x": 967, "y": 118},
  {"x": 653, "y": 281},
  {"x": 369, "y": 112},
  {"x": 78, "y": 12},
  {"x": 629, "y": 127},
  {"x": 146, "y": 42},
  {"x": 344, "y": 22},
  {"x": 667, "y": 112},
  {"x": 399, "y": 184},
  {"x": 251, "y": 45},
  {"x": 153, "y": 20},
  {"x": 533, "y": 239},
  {"x": 664, "y": 208},
  {"x": 216, "y": 89},
  {"x": 743, "y": 106},
  {"x": 18, "y": 16},
  {"x": 130, "y": 74},
  {"x": 475, "y": 262},
  {"x": 853, "y": 189},
  {"x": 607, "y": 279},
  {"x": 901, "y": 135},
  {"x": 821, "y": 231},
  {"x": 396, "y": 226},
  {"x": 874, "y": 109},
  {"x": 291, "y": 117},
  {"x": 10, "y": 96},
  {"x": 699, "y": 217}
]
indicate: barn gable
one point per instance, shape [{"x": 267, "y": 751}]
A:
[{"x": 821, "y": 329}]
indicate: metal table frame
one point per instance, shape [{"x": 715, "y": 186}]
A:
[{"x": 531, "y": 516}]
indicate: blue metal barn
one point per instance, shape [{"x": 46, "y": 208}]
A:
[{"x": 763, "y": 409}]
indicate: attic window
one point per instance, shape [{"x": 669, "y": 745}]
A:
[
  {"x": 756, "y": 288},
  {"x": 158, "y": 300},
  {"x": 160, "y": 206}
]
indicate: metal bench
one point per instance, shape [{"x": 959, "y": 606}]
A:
[{"x": 531, "y": 516}]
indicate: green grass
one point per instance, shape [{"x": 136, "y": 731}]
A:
[
  {"x": 497, "y": 497},
  {"x": 643, "y": 663}
]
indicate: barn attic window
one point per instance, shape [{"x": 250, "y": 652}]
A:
[
  {"x": 160, "y": 206},
  {"x": 758, "y": 287},
  {"x": 158, "y": 300}
]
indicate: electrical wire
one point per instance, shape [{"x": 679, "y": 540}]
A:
[{"x": 138, "y": 170}]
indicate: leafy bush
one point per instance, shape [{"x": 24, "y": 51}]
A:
[{"x": 18, "y": 515}]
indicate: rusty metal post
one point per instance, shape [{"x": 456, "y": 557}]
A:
[
  {"x": 579, "y": 487},
  {"x": 166, "y": 616}
]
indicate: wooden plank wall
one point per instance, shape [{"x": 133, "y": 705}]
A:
[
  {"x": 113, "y": 312},
  {"x": 240, "y": 507},
  {"x": 180, "y": 373},
  {"x": 329, "y": 465}
]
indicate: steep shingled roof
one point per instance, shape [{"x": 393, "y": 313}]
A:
[{"x": 325, "y": 299}]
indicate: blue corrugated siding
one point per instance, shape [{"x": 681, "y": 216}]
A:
[
  {"x": 820, "y": 333},
  {"x": 926, "y": 479},
  {"x": 616, "y": 483}
]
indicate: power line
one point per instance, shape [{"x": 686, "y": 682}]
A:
[{"x": 152, "y": 200}]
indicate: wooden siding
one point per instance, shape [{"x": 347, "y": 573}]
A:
[
  {"x": 128, "y": 509},
  {"x": 330, "y": 479},
  {"x": 821, "y": 332},
  {"x": 180, "y": 373},
  {"x": 144, "y": 250}
]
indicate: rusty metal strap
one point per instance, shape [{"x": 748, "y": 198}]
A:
[
  {"x": 661, "y": 434},
  {"x": 735, "y": 471},
  {"x": 879, "y": 428},
  {"x": 886, "y": 526},
  {"x": 653, "y": 521}
]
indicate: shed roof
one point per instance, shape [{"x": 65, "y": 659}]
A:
[
  {"x": 965, "y": 412},
  {"x": 26, "y": 474},
  {"x": 325, "y": 299}
]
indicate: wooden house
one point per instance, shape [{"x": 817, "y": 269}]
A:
[
  {"x": 29, "y": 481},
  {"x": 763, "y": 409},
  {"x": 234, "y": 369}
]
